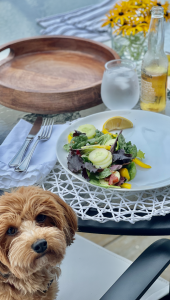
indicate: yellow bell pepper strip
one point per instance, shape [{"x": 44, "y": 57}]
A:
[
  {"x": 141, "y": 164},
  {"x": 96, "y": 146},
  {"x": 126, "y": 185},
  {"x": 124, "y": 173},
  {"x": 106, "y": 131},
  {"x": 69, "y": 138},
  {"x": 102, "y": 146}
]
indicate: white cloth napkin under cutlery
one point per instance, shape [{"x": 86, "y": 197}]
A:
[{"x": 42, "y": 162}]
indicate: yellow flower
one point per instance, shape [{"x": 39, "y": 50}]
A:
[
  {"x": 122, "y": 13},
  {"x": 121, "y": 29},
  {"x": 121, "y": 16},
  {"x": 139, "y": 4},
  {"x": 122, "y": 5},
  {"x": 167, "y": 16},
  {"x": 147, "y": 19},
  {"x": 110, "y": 20},
  {"x": 133, "y": 16},
  {"x": 145, "y": 27},
  {"x": 137, "y": 19},
  {"x": 157, "y": 3},
  {"x": 136, "y": 28}
]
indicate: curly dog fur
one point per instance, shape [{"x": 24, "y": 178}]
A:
[{"x": 36, "y": 226}]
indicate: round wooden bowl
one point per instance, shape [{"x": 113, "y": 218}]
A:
[{"x": 53, "y": 74}]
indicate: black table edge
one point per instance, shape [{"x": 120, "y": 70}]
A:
[{"x": 157, "y": 226}]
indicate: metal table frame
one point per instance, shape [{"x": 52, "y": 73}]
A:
[{"x": 157, "y": 226}]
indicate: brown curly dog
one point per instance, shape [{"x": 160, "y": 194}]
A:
[{"x": 36, "y": 226}]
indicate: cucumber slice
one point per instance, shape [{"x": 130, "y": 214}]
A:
[
  {"x": 110, "y": 142},
  {"x": 98, "y": 155},
  {"x": 105, "y": 163},
  {"x": 89, "y": 130}
]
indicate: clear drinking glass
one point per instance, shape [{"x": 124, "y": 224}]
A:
[{"x": 120, "y": 86}]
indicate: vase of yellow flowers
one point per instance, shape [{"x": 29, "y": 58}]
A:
[
  {"x": 128, "y": 23},
  {"x": 132, "y": 46}
]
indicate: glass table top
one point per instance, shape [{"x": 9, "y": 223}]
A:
[{"x": 18, "y": 20}]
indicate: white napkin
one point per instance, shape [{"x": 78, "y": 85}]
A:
[
  {"x": 42, "y": 162},
  {"x": 84, "y": 22}
]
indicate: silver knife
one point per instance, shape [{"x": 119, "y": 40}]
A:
[{"x": 19, "y": 155}]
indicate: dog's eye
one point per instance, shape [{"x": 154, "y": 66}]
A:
[
  {"x": 40, "y": 218},
  {"x": 11, "y": 231}
]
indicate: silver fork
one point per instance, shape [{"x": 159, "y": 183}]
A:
[{"x": 44, "y": 135}]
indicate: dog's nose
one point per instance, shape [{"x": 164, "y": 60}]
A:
[{"x": 40, "y": 246}]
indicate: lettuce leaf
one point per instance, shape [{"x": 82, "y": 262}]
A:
[
  {"x": 101, "y": 140},
  {"x": 89, "y": 166},
  {"x": 77, "y": 133},
  {"x": 121, "y": 141},
  {"x": 85, "y": 174},
  {"x": 103, "y": 183},
  {"x": 85, "y": 157},
  {"x": 66, "y": 147},
  {"x": 105, "y": 173},
  {"x": 104, "y": 139},
  {"x": 128, "y": 147},
  {"x": 120, "y": 157},
  {"x": 115, "y": 146},
  {"x": 132, "y": 170},
  {"x": 75, "y": 163},
  {"x": 140, "y": 154},
  {"x": 78, "y": 141},
  {"x": 98, "y": 133},
  {"x": 131, "y": 149}
]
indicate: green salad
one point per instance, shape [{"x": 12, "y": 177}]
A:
[{"x": 105, "y": 160}]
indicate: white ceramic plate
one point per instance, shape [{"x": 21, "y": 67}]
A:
[{"x": 151, "y": 134}]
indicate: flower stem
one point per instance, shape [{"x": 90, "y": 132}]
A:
[{"x": 111, "y": 37}]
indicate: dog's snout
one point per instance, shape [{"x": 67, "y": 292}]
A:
[{"x": 40, "y": 246}]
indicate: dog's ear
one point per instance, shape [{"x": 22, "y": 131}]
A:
[{"x": 70, "y": 226}]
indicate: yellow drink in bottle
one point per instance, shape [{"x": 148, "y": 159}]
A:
[
  {"x": 153, "y": 88},
  {"x": 154, "y": 69},
  {"x": 168, "y": 56}
]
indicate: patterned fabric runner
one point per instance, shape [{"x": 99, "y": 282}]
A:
[{"x": 84, "y": 22}]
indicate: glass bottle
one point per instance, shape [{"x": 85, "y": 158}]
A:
[{"x": 154, "y": 69}]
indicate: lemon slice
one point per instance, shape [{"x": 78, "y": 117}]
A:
[{"x": 117, "y": 123}]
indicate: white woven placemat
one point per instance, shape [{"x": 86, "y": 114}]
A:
[{"x": 109, "y": 204}]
